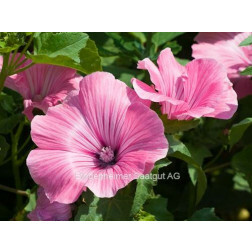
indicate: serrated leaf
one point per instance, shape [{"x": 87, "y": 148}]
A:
[
  {"x": 204, "y": 214},
  {"x": 74, "y": 50},
  {"x": 4, "y": 147},
  {"x": 66, "y": 44},
  {"x": 247, "y": 71},
  {"x": 247, "y": 41},
  {"x": 237, "y": 131}
]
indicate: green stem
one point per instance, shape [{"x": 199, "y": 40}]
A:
[
  {"x": 215, "y": 158},
  {"x": 4, "y": 71},
  {"x": 12, "y": 190},
  {"x": 19, "y": 150},
  {"x": 15, "y": 162},
  {"x": 23, "y": 69},
  {"x": 23, "y": 51},
  {"x": 211, "y": 169}
]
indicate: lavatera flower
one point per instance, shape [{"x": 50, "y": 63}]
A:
[
  {"x": 46, "y": 211},
  {"x": 200, "y": 89},
  {"x": 102, "y": 138},
  {"x": 224, "y": 47},
  {"x": 42, "y": 86}
]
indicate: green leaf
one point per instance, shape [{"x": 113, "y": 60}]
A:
[
  {"x": 139, "y": 35},
  {"x": 145, "y": 183},
  {"x": 66, "y": 44},
  {"x": 158, "y": 207},
  {"x": 240, "y": 183},
  {"x": 144, "y": 216},
  {"x": 31, "y": 202},
  {"x": 204, "y": 214},
  {"x": 89, "y": 58},
  {"x": 183, "y": 62},
  {"x": 10, "y": 41},
  {"x": 174, "y": 126},
  {"x": 238, "y": 130},
  {"x": 4, "y": 147},
  {"x": 247, "y": 41},
  {"x": 110, "y": 209},
  {"x": 74, "y": 50},
  {"x": 242, "y": 163},
  {"x": 159, "y": 38},
  {"x": 247, "y": 71},
  {"x": 7, "y": 102},
  {"x": 199, "y": 180},
  {"x": 88, "y": 211},
  {"x": 9, "y": 123}
]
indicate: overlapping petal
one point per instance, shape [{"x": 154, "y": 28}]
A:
[
  {"x": 71, "y": 136},
  {"x": 46, "y": 211}
]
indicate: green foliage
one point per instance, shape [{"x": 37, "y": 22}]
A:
[
  {"x": 110, "y": 209},
  {"x": 4, "y": 147},
  {"x": 247, "y": 41},
  {"x": 74, "y": 50},
  {"x": 9, "y": 123},
  {"x": 205, "y": 214},
  {"x": 247, "y": 71},
  {"x": 158, "y": 207},
  {"x": 9, "y": 41},
  {"x": 242, "y": 163},
  {"x": 144, "y": 189},
  {"x": 237, "y": 131},
  {"x": 159, "y": 38}
]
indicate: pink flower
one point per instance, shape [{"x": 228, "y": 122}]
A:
[
  {"x": 224, "y": 47},
  {"x": 42, "y": 86},
  {"x": 201, "y": 88},
  {"x": 46, "y": 211},
  {"x": 102, "y": 138}
]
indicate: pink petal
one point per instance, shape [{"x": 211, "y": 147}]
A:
[
  {"x": 224, "y": 47},
  {"x": 104, "y": 102},
  {"x": 155, "y": 76},
  {"x": 208, "y": 86},
  {"x": 46, "y": 211},
  {"x": 58, "y": 172},
  {"x": 146, "y": 92},
  {"x": 64, "y": 128},
  {"x": 170, "y": 71}
]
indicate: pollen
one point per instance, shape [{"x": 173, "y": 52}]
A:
[{"x": 107, "y": 155}]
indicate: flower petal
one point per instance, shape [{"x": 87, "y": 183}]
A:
[
  {"x": 105, "y": 113},
  {"x": 170, "y": 71},
  {"x": 64, "y": 128},
  {"x": 208, "y": 86},
  {"x": 146, "y": 92},
  {"x": 46, "y": 211},
  {"x": 57, "y": 172}
]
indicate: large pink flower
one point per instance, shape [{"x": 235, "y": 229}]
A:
[
  {"x": 46, "y": 211},
  {"x": 224, "y": 47},
  {"x": 102, "y": 138},
  {"x": 201, "y": 88},
  {"x": 42, "y": 86}
]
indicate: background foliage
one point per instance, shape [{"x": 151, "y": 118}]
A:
[{"x": 213, "y": 157}]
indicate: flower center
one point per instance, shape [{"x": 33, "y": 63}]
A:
[{"x": 106, "y": 155}]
